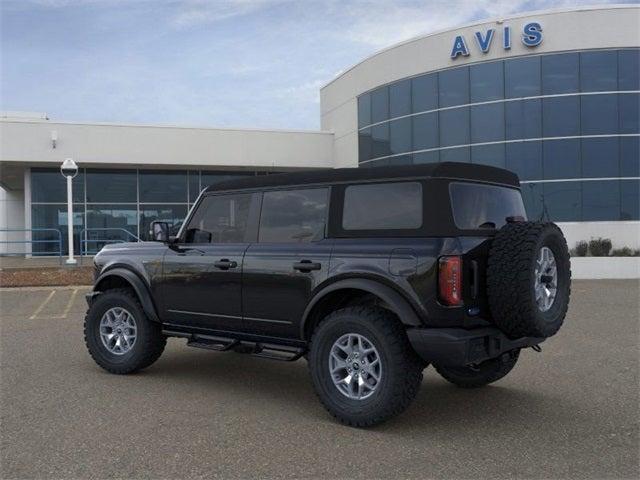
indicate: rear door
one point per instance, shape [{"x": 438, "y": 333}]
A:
[
  {"x": 289, "y": 260},
  {"x": 202, "y": 285}
]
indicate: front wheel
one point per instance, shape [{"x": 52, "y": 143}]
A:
[
  {"x": 363, "y": 368},
  {"x": 480, "y": 375},
  {"x": 118, "y": 334}
]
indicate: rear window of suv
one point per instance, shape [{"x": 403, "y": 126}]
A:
[
  {"x": 476, "y": 206},
  {"x": 383, "y": 206}
]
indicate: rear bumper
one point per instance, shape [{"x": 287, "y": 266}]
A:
[{"x": 458, "y": 347}]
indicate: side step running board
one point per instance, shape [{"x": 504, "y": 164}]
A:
[{"x": 222, "y": 344}]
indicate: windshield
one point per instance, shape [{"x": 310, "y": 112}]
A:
[{"x": 477, "y": 206}]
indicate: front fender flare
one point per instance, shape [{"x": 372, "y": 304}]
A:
[
  {"x": 141, "y": 289},
  {"x": 398, "y": 304}
]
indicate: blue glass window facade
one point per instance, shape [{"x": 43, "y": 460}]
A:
[
  {"x": 114, "y": 205},
  {"x": 568, "y": 124}
]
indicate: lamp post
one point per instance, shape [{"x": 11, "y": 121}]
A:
[{"x": 69, "y": 169}]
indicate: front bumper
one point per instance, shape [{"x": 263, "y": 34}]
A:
[{"x": 459, "y": 347}]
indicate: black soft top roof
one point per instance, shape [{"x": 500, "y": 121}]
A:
[{"x": 463, "y": 171}]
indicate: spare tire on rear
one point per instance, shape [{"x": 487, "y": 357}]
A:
[{"x": 529, "y": 279}]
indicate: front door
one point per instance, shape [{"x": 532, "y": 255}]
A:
[
  {"x": 289, "y": 260},
  {"x": 202, "y": 271}
]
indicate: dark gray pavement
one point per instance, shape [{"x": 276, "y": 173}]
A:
[{"x": 570, "y": 412}]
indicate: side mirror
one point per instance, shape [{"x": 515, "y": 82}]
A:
[{"x": 159, "y": 231}]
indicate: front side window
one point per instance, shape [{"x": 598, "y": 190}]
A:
[
  {"x": 383, "y": 206},
  {"x": 476, "y": 206},
  {"x": 220, "y": 219},
  {"x": 293, "y": 216}
]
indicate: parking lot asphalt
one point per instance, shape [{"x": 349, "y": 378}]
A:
[{"x": 568, "y": 412}]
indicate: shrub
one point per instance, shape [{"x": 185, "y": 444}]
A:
[
  {"x": 600, "y": 247},
  {"x": 581, "y": 249},
  {"x": 625, "y": 252}
]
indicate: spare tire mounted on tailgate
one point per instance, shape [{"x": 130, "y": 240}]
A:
[{"x": 528, "y": 279}]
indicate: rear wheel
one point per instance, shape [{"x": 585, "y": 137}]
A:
[
  {"x": 362, "y": 366},
  {"x": 487, "y": 372},
  {"x": 118, "y": 334}
]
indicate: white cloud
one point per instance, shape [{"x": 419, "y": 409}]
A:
[{"x": 199, "y": 12}]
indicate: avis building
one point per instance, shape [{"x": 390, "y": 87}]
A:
[{"x": 553, "y": 96}]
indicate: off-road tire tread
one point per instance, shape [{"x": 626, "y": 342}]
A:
[
  {"x": 481, "y": 378},
  {"x": 152, "y": 347},
  {"x": 406, "y": 387},
  {"x": 508, "y": 280}
]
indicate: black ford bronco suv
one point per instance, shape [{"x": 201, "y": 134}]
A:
[{"x": 370, "y": 274}]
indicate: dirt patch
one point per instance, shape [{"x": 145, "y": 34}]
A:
[{"x": 45, "y": 276}]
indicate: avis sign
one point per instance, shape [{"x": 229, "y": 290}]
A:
[{"x": 531, "y": 37}]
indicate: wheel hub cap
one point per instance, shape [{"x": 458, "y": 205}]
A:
[
  {"x": 118, "y": 330},
  {"x": 546, "y": 279},
  {"x": 355, "y": 366}
]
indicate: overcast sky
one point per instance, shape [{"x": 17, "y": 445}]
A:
[{"x": 226, "y": 63}]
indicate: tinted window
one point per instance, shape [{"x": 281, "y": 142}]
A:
[
  {"x": 629, "y": 70},
  {"x": 211, "y": 178},
  {"x": 487, "y": 123},
  {"x": 117, "y": 186},
  {"x": 630, "y": 200},
  {"x": 384, "y": 206},
  {"x": 380, "y": 105},
  {"x": 194, "y": 186},
  {"x": 115, "y": 219},
  {"x": 380, "y": 140},
  {"x": 483, "y": 206},
  {"x": 220, "y": 219},
  {"x": 424, "y": 92},
  {"x": 629, "y": 113},
  {"x": 598, "y": 157},
  {"x": 561, "y": 159},
  {"x": 560, "y": 73},
  {"x": 525, "y": 159},
  {"x": 460, "y": 154},
  {"x": 400, "y": 98},
  {"x": 600, "y": 201},
  {"x": 365, "y": 145},
  {"x": 629, "y": 155},
  {"x": 53, "y": 216},
  {"x": 50, "y": 186},
  {"x": 598, "y": 71},
  {"x": 487, "y": 81},
  {"x": 425, "y": 131},
  {"x": 562, "y": 201},
  {"x": 400, "y": 135},
  {"x": 454, "y": 87},
  {"x": 532, "y": 196},
  {"x": 488, "y": 155},
  {"x": 454, "y": 127},
  {"x": 599, "y": 114},
  {"x": 522, "y": 77},
  {"x": 293, "y": 216},
  {"x": 523, "y": 119},
  {"x": 166, "y": 187},
  {"x": 561, "y": 116},
  {"x": 426, "y": 157},
  {"x": 364, "y": 110}
]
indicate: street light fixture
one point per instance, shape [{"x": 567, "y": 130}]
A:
[{"x": 69, "y": 169}]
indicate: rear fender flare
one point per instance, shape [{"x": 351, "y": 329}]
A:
[
  {"x": 397, "y": 303},
  {"x": 142, "y": 291}
]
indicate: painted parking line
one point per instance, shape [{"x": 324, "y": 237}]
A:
[
  {"x": 68, "y": 307},
  {"x": 42, "y": 305}
]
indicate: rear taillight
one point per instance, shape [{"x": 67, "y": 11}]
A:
[{"x": 450, "y": 281}]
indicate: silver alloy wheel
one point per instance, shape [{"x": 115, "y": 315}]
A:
[
  {"x": 355, "y": 366},
  {"x": 546, "y": 279},
  {"x": 118, "y": 330}
]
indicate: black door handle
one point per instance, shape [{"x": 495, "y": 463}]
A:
[
  {"x": 225, "y": 264},
  {"x": 306, "y": 266}
]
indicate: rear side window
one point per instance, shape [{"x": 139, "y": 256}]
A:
[
  {"x": 476, "y": 206},
  {"x": 383, "y": 206},
  {"x": 220, "y": 219},
  {"x": 293, "y": 216}
]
